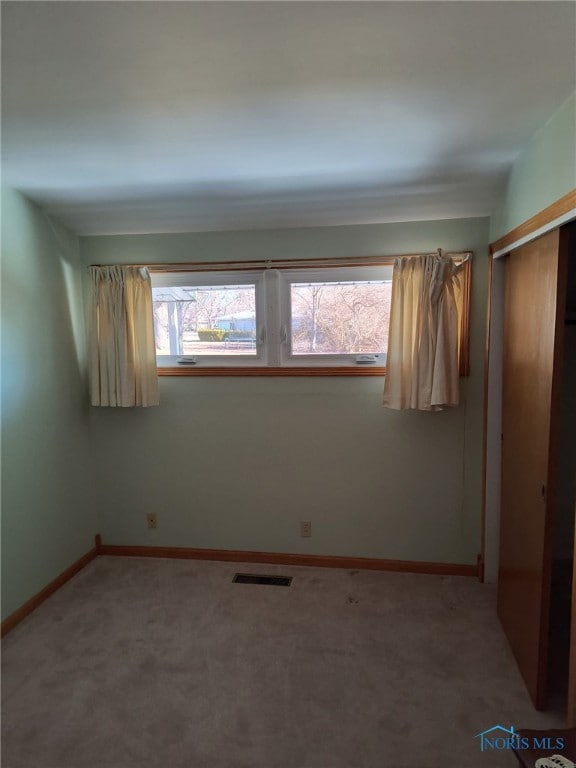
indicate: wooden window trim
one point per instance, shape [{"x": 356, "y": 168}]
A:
[
  {"x": 464, "y": 335},
  {"x": 268, "y": 370},
  {"x": 311, "y": 371}
]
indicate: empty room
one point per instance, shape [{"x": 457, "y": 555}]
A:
[{"x": 288, "y": 384}]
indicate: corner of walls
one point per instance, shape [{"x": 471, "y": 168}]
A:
[
  {"x": 544, "y": 172},
  {"x": 48, "y": 520}
]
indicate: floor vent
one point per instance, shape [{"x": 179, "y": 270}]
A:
[{"x": 274, "y": 581}]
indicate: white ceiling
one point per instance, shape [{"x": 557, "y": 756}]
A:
[{"x": 127, "y": 117}]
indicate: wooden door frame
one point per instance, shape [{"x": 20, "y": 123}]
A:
[
  {"x": 561, "y": 212},
  {"x": 533, "y": 362},
  {"x": 492, "y": 422}
]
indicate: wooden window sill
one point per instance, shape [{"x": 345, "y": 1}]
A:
[{"x": 192, "y": 370}]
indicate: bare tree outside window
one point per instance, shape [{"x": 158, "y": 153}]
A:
[
  {"x": 340, "y": 317},
  {"x": 325, "y": 315}
]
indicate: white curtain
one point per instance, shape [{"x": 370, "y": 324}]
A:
[
  {"x": 422, "y": 361},
  {"x": 122, "y": 350}
]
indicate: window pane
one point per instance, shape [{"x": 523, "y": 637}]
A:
[
  {"x": 205, "y": 320},
  {"x": 340, "y": 317}
]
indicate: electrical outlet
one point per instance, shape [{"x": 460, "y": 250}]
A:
[
  {"x": 152, "y": 520},
  {"x": 305, "y": 529}
]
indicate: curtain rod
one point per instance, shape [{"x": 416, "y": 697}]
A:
[{"x": 222, "y": 266}]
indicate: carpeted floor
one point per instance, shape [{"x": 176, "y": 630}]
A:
[{"x": 141, "y": 663}]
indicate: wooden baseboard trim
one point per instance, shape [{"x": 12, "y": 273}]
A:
[
  {"x": 233, "y": 556},
  {"x": 281, "y": 558},
  {"x": 25, "y": 610}
]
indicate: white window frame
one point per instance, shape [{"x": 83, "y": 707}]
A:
[
  {"x": 273, "y": 315},
  {"x": 232, "y": 277},
  {"x": 323, "y": 275}
]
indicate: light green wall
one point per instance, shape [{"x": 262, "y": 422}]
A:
[
  {"x": 48, "y": 521},
  {"x": 237, "y": 463},
  {"x": 543, "y": 172}
]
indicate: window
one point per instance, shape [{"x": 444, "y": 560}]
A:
[
  {"x": 205, "y": 317},
  {"x": 340, "y": 317},
  {"x": 293, "y": 320},
  {"x": 335, "y": 316}
]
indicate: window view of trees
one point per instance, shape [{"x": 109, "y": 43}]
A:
[
  {"x": 326, "y": 317},
  {"x": 218, "y": 320},
  {"x": 340, "y": 318}
]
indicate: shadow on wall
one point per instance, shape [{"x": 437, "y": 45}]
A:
[{"x": 43, "y": 329}]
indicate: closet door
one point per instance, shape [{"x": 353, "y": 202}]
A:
[{"x": 534, "y": 318}]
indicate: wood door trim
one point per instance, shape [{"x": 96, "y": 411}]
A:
[
  {"x": 544, "y": 218},
  {"x": 485, "y": 416}
]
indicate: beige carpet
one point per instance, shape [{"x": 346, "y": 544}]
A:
[{"x": 140, "y": 662}]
